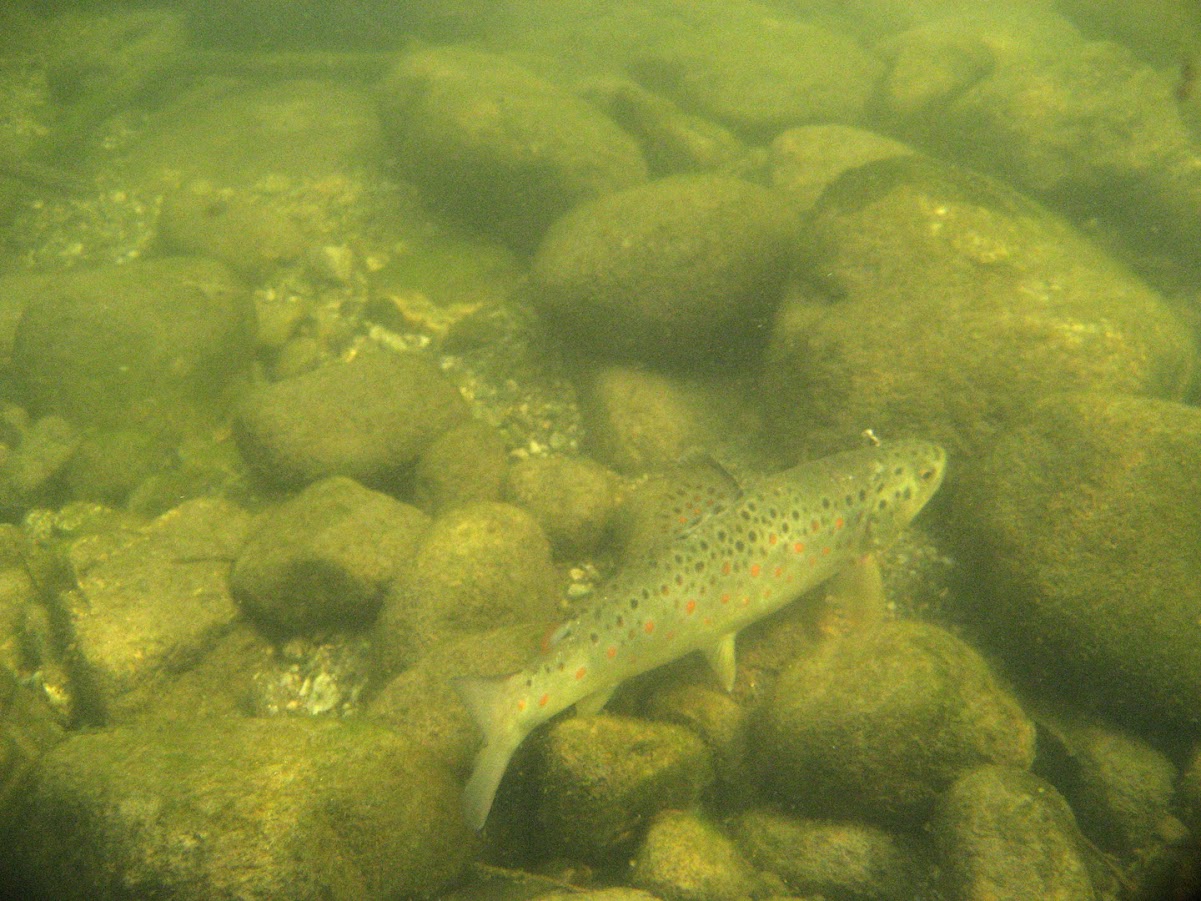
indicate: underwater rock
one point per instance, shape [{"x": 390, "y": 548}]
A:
[
  {"x": 1123, "y": 791},
  {"x": 148, "y": 599},
  {"x": 1092, "y": 128},
  {"x": 464, "y": 464},
  {"x": 499, "y": 145},
  {"x": 717, "y": 717},
  {"x": 233, "y": 135},
  {"x": 324, "y": 558},
  {"x": 29, "y": 728},
  {"x": 480, "y": 566},
  {"x": 1082, "y": 525},
  {"x": 639, "y": 420},
  {"x": 234, "y": 807},
  {"x": 368, "y": 419},
  {"x": 682, "y": 271},
  {"x": 1004, "y": 833},
  {"x": 673, "y": 140},
  {"x": 603, "y": 777},
  {"x": 805, "y": 161},
  {"x": 828, "y": 859},
  {"x": 573, "y": 499},
  {"x": 685, "y": 858},
  {"x": 945, "y": 305},
  {"x": 249, "y": 233},
  {"x": 33, "y": 459},
  {"x": 879, "y": 722},
  {"x": 152, "y": 343},
  {"x": 758, "y": 72}
]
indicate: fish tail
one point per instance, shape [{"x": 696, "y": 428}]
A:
[{"x": 485, "y": 699}]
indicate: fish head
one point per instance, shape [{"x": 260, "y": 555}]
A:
[{"x": 903, "y": 477}]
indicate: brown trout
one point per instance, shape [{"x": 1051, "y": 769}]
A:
[{"x": 817, "y": 522}]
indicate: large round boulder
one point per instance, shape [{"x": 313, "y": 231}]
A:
[{"x": 684, "y": 270}]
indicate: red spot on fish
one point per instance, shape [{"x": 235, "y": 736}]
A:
[
  {"x": 690, "y": 607},
  {"x": 725, "y": 599},
  {"x": 839, "y": 523},
  {"x": 649, "y": 626},
  {"x": 521, "y": 705},
  {"x": 799, "y": 547},
  {"x": 778, "y": 571},
  {"x": 725, "y": 568},
  {"x": 544, "y": 700},
  {"x": 825, "y": 550},
  {"x": 771, "y": 539},
  {"x": 754, "y": 570},
  {"x": 611, "y": 651},
  {"x": 579, "y": 674},
  {"x": 815, "y": 525},
  {"x": 746, "y": 600}
]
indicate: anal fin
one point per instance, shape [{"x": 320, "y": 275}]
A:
[
  {"x": 721, "y": 659},
  {"x": 595, "y": 702}
]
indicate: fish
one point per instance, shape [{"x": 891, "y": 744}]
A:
[{"x": 771, "y": 542}]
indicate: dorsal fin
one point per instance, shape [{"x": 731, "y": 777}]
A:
[{"x": 673, "y": 502}]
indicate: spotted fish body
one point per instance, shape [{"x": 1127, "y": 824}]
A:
[{"x": 769, "y": 545}]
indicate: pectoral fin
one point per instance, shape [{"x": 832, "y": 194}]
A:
[
  {"x": 721, "y": 658},
  {"x": 855, "y": 597}
]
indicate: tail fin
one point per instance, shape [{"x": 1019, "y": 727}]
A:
[{"x": 485, "y": 699}]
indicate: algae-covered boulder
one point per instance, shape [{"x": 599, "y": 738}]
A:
[
  {"x": 688, "y": 859},
  {"x": 1004, "y": 833},
  {"x": 154, "y": 343},
  {"x": 368, "y": 419},
  {"x": 1083, "y": 529},
  {"x": 481, "y": 566},
  {"x": 224, "y": 808},
  {"x": 638, "y": 419},
  {"x": 948, "y": 306},
  {"x": 150, "y": 598},
  {"x": 827, "y": 858},
  {"x": 679, "y": 271},
  {"x": 465, "y": 463},
  {"x": 1124, "y": 789},
  {"x": 232, "y": 134},
  {"x": 503, "y": 147},
  {"x": 573, "y": 499},
  {"x": 758, "y": 72},
  {"x": 325, "y": 557},
  {"x": 1093, "y": 127},
  {"x": 806, "y": 160},
  {"x": 882, "y": 721},
  {"x": 604, "y": 777}
]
